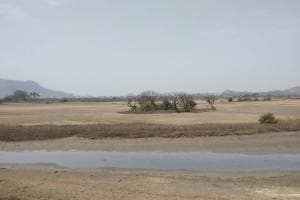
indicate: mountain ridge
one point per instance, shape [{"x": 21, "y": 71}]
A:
[
  {"x": 7, "y": 87},
  {"x": 294, "y": 91}
]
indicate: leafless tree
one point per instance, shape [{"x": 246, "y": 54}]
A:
[
  {"x": 211, "y": 101},
  {"x": 34, "y": 95},
  {"x": 132, "y": 104},
  {"x": 183, "y": 102},
  {"x": 152, "y": 101},
  {"x": 148, "y": 97},
  {"x": 186, "y": 102}
]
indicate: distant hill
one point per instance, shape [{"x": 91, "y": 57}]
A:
[
  {"x": 295, "y": 91},
  {"x": 232, "y": 93},
  {"x": 7, "y": 87}
]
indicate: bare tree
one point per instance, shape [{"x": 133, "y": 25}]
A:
[
  {"x": 132, "y": 104},
  {"x": 182, "y": 102},
  {"x": 152, "y": 101},
  {"x": 186, "y": 102},
  {"x": 34, "y": 95},
  {"x": 148, "y": 97},
  {"x": 211, "y": 101}
]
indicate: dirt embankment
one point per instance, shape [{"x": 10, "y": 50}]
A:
[
  {"x": 268, "y": 143},
  {"x": 99, "y": 131}
]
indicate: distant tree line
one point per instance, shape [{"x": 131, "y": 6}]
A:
[
  {"x": 146, "y": 101},
  {"x": 23, "y": 96},
  {"x": 249, "y": 98},
  {"x": 20, "y": 95}
]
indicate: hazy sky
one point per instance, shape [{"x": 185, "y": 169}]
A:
[{"x": 114, "y": 47}]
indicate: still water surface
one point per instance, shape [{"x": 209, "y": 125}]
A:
[{"x": 200, "y": 161}]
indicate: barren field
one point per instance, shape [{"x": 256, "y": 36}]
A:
[
  {"x": 46, "y": 182},
  {"x": 109, "y": 113},
  {"x": 32, "y": 121},
  {"x": 101, "y": 126}
]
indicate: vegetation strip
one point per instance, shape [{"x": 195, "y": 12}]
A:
[{"x": 98, "y": 131}]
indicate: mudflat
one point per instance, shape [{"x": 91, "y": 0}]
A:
[
  {"x": 267, "y": 143},
  {"x": 53, "y": 182}
]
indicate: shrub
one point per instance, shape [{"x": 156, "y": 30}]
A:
[
  {"x": 186, "y": 102},
  {"x": 267, "y": 99},
  {"x": 192, "y": 104},
  {"x": 178, "y": 102},
  {"x": 230, "y": 99},
  {"x": 268, "y": 118},
  {"x": 63, "y": 100},
  {"x": 147, "y": 107},
  {"x": 18, "y": 95},
  {"x": 166, "y": 105},
  {"x": 241, "y": 99}
]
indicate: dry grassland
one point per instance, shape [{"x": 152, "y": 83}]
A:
[{"x": 109, "y": 113}]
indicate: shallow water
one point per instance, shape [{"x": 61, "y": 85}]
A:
[{"x": 200, "y": 161}]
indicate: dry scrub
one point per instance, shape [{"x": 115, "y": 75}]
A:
[{"x": 133, "y": 130}]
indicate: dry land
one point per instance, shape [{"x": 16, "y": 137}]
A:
[
  {"x": 100, "y": 131},
  {"x": 268, "y": 143},
  {"x": 101, "y": 126},
  {"x": 37, "y": 182},
  {"x": 110, "y": 113},
  {"x": 32, "y": 121}
]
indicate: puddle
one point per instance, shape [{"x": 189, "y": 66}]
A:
[{"x": 200, "y": 161}]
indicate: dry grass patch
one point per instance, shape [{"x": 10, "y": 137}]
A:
[{"x": 140, "y": 130}]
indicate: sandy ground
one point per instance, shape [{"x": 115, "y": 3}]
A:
[
  {"x": 90, "y": 113},
  {"x": 288, "y": 142},
  {"x": 48, "y": 182}
]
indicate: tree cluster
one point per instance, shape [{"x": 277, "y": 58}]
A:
[
  {"x": 20, "y": 95},
  {"x": 150, "y": 101}
]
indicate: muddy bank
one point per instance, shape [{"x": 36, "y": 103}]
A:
[
  {"x": 100, "y": 131},
  {"x": 268, "y": 143},
  {"x": 46, "y": 182}
]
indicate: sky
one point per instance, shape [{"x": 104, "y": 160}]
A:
[{"x": 116, "y": 47}]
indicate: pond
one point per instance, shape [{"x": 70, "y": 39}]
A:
[{"x": 199, "y": 161}]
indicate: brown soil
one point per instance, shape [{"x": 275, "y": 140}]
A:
[
  {"x": 268, "y": 143},
  {"x": 46, "y": 182},
  {"x": 109, "y": 113},
  {"x": 99, "y": 131}
]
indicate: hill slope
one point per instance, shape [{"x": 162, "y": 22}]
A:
[
  {"x": 7, "y": 87},
  {"x": 295, "y": 91}
]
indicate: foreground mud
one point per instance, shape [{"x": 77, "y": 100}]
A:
[{"x": 46, "y": 182}]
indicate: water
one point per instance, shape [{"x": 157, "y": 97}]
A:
[{"x": 199, "y": 161}]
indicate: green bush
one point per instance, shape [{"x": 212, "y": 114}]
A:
[
  {"x": 268, "y": 118},
  {"x": 230, "y": 99}
]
